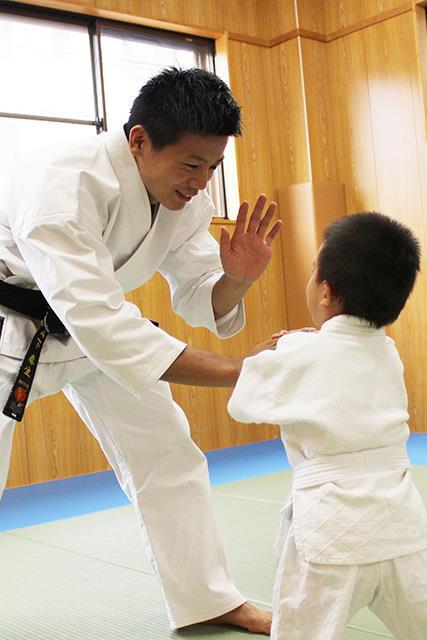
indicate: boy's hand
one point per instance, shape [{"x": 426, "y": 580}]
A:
[
  {"x": 272, "y": 342},
  {"x": 264, "y": 346},
  {"x": 283, "y": 332}
]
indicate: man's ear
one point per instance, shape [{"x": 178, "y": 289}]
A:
[{"x": 138, "y": 139}]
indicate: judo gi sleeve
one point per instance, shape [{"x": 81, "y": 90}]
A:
[
  {"x": 271, "y": 382},
  {"x": 74, "y": 270},
  {"x": 191, "y": 269}
]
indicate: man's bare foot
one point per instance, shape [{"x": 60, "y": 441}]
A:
[{"x": 247, "y": 617}]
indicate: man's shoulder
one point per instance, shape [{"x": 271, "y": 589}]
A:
[{"x": 64, "y": 152}]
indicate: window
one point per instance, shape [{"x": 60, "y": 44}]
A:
[{"x": 69, "y": 77}]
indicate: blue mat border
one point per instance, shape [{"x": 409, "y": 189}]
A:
[{"x": 70, "y": 497}]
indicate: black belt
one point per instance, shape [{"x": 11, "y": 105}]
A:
[{"x": 33, "y": 304}]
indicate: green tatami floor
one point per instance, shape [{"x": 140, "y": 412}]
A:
[{"x": 87, "y": 578}]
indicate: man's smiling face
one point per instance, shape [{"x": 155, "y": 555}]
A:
[{"x": 175, "y": 174}]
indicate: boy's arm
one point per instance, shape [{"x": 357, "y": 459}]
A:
[{"x": 272, "y": 380}]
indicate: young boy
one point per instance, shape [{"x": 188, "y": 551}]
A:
[{"x": 354, "y": 530}]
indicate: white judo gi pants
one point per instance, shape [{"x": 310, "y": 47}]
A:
[
  {"x": 161, "y": 470},
  {"x": 316, "y": 601}
]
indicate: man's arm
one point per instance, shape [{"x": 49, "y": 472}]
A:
[
  {"x": 205, "y": 369},
  {"x": 245, "y": 255},
  {"x": 226, "y": 294}
]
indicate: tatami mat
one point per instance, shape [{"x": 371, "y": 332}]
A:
[{"x": 87, "y": 577}]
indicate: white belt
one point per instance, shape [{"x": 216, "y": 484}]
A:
[{"x": 345, "y": 465}]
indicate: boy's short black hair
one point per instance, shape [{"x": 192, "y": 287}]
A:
[
  {"x": 371, "y": 263},
  {"x": 179, "y": 101}
]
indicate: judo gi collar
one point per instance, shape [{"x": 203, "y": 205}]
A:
[
  {"x": 350, "y": 324},
  {"x": 125, "y": 168}
]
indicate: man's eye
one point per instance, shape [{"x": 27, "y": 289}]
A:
[{"x": 191, "y": 166}]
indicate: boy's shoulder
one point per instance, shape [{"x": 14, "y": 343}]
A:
[
  {"x": 300, "y": 347},
  {"x": 297, "y": 338},
  {"x": 338, "y": 333}
]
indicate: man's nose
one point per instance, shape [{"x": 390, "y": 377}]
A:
[{"x": 200, "y": 179}]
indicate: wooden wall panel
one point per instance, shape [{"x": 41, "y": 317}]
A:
[
  {"x": 319, "y": 112},
  {"x": 250, "y": 17},
  {"x": 312, "y": 15},
  {"x": 390, "y": 60},
  {"x": 419, "y": 91},
  {"x": 351, "y": 122},
  {"x": 420, "y": 26},
  {"x": 240, "y": 16},
  {"x": 279, "y": 16},
  {"x": 340, "y": 14},
  {"x": 391, "y": 69},
  {"x": 247, "y": 78},
  {"x": 290, "y": 157},
  {"x": 51, "y": 443},
  {"x": 19, "y": 472},
  {"x": 380, "y": 156}
]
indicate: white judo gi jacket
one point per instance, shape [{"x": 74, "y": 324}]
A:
[
  {"x": 340, "y": 399},
  {"x": 75, "y": 222}
]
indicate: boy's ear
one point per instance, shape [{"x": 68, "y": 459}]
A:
[{"x": 327, "y": 297}]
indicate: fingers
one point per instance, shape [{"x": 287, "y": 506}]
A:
[
  {"x": 257, "y": 213},
  {"x": 224, "y": 239},
  {"x": 283, "y": 332},
  {"x": 265, "y": 221},
  {"x": 241, "y": 217},
  {"x": 279, "y": 334},
  {"x": 259, "y": 223},
  {"x": 273, "y": 231},
  {"x": 271, "y": 345}
]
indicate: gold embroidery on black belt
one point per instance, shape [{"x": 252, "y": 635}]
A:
[{"x": 15, "y": 405}]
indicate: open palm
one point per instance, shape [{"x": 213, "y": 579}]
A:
[{"x": 248, "y": 251}]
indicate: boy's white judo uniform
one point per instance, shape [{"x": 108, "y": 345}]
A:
[
  {"x": 77, "y": 224},
  {"x": 354, "y": 530}
]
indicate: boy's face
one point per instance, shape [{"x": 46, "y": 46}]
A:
[
  {"x": 321, "y": 301},
  {"x": 314, "y": 294}
]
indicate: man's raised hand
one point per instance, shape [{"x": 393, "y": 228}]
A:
[{"x": 246, "y": 254}]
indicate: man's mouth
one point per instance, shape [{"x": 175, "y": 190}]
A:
[{"x": 185, "y": 196}]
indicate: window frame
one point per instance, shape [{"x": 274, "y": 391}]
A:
[{"x": 94, "y": 25}]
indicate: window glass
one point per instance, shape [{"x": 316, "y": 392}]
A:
[{"x": 46, "y": 68}]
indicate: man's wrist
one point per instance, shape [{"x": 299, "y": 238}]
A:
[
  {"x": 227, "y": 293},
  {"x": 203, "y": 369}
]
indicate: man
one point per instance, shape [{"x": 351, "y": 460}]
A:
[{"x": 85, "y": 224}]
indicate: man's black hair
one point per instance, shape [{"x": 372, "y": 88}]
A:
[
  {"x": 371, "y": 263},
  {"x": 180, "y": 101}
]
